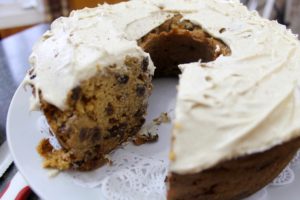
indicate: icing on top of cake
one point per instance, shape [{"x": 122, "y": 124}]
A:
[
  {"x": 237, "y": 105},
  {"x": 240, "y": 104},
  {"x": 79, "y": 46}
]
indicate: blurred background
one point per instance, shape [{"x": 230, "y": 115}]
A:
[{"x": 17, "y": 15}]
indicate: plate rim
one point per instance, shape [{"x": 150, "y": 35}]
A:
[{"x": 22, "y": 169}]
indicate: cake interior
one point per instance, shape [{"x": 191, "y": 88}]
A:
[
  {"x": 102, "y": 113},
  {"x": 178, "y": 42},
  {"x": 106, "y": 110}
]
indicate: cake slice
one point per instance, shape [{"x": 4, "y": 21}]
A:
[{"x": 101, "y": 113}]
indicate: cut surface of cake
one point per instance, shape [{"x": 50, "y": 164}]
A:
[{"x": 238, "y": 102}]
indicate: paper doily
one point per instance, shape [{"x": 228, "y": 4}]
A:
[{"x": 133, "y": 176}]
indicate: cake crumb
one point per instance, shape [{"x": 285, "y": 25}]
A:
[
  {"x": 53, "y": 173},
  {"x": 142, "y": 139},
  {"x": 163, "y": 118},
  {"x": 108, "y": 160},
  {"x": 56, "y": 159},
  {"x": 148, "y": 132}
]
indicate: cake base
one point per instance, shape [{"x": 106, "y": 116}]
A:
[{"x": 233, "y": 179}]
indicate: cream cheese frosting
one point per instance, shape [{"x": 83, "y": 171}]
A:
[
  {"x": 79, "y": 46},
  {"x": 237, "y": 105},
  {"x": 240, "y": 104}
]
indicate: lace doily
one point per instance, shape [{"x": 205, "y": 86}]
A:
[
  {"x": 142, "y": 178},
  {"x": 133, "y": 175}
]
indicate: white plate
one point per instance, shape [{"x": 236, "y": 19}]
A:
[{"x": 23, "y": 136}]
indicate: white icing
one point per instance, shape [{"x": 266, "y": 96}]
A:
[
  {"x": 233, "y": 106},
  {"x": 239, "y": 104},
  {"x": 79, "y": 46}
]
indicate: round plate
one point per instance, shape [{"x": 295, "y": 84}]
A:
[{"x": 23, "y": 136}]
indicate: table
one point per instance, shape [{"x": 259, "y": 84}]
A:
[{"x": 14, "y": 52}]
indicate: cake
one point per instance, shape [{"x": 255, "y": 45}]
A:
[{"x": 237, "y": 107}]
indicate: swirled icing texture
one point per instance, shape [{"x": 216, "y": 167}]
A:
[
  {"x": 79, "y": 46},
  {"x": 240, "y": 104},
  {"x": 236, "y": 105}
]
